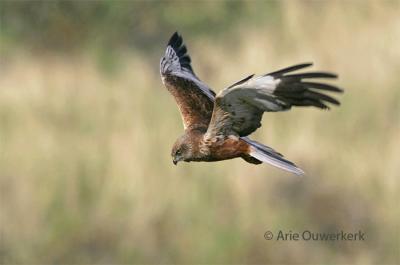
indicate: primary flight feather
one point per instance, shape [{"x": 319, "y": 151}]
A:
[{"x": 216, "y": 126}]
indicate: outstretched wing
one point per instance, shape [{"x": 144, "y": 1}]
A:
[
  {"x": 239, "y": 108},
  {"x": 194, "y": 98}
]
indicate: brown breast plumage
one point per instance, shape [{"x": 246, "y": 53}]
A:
[{"x": 223, "y": 148}]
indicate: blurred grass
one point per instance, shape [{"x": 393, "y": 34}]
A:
[{"x": 86, "y": 129}]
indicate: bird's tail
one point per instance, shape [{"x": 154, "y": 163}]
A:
[{"x": 268, "y": 155}]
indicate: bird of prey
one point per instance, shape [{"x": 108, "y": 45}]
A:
[{"x": 216, "y": 127}]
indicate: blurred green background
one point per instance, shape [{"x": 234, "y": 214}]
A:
[{"x": 86, "y": 128}]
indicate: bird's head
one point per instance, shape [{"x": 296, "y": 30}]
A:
[{"x": 182, "y": 150}]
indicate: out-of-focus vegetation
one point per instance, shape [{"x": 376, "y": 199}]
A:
[
  {"x": 136, "y": 24},
  {"x": 86, "y": 129}
]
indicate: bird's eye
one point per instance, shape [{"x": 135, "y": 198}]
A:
[{"x": 178, "y": 152}]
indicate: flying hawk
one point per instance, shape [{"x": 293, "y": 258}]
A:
[{"x": 217, "y": 126}]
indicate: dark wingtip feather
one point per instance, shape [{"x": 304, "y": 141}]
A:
[
  {"x": 173, "y": 39},
  {"x": 321, "y": 97},
  {"x": 241, "y": 81},
  {"x": 313, "y": 75},
  {"x": 289, "y": 69},
  {"x": 294, "y": 91},
  {"x": 322, "y": 86},
  {"x": 298, "y": 93}
]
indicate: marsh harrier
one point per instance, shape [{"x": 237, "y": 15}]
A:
[{"x": 216, "y": 126}]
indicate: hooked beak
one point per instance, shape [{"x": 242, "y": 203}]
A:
[{"x": 175, "y": 161}]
